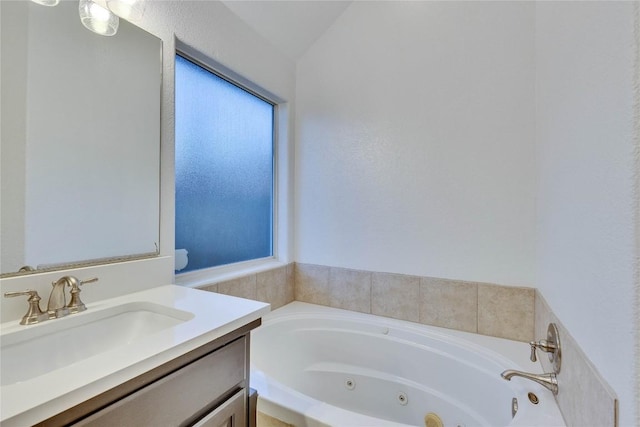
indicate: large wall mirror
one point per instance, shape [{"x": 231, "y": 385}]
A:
[{"x": 80, "y": 140}]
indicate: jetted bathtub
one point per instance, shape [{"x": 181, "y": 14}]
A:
[{"x": 320, "y": 366}]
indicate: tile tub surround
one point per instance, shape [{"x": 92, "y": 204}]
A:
[
  {"x": 499, "y": 311},
  {"x": 449, "y": 304},
  {"x": 272, "y": 286},
  {"x": 506, "y": 312},
  {"x": 395, "y": 295},
  {"x": 585, "y": 399}
]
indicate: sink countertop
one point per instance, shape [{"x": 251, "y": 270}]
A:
[{"x": 34, "y": 400}]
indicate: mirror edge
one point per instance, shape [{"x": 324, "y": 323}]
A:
[{"x": 82, "y": 264}]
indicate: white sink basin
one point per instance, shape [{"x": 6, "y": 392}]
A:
[{"x": 31, "y": 351}]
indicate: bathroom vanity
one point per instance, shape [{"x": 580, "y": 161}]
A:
[{"x": 165, "y": 356}]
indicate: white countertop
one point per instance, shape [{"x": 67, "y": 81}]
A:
[{"x": 214, "y": 315}]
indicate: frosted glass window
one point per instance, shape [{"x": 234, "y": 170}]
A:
[{"x": 224, "y": 169}]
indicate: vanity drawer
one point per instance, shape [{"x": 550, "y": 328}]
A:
[
  {"x": 181, "y": 396},
  {"x": 232, "y": 413}
]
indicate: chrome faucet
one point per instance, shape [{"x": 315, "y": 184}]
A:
[{"x": 547, "y": 380}]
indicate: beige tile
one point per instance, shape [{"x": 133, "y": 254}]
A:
[
  {"x": 265, "y": 420},
  {"x": 290, "y": 282},
  {"x": 395, "y": 295},
  {"x": 291, "y": 274},
  {"x": 243, "y": 287},
  {"x": 210, "y": 288},
  {"x": 350, "y": 289},
  {"x": 542, "y": 317},
  {"x": 449, "y": 304},
  {"x": 506, "y": 312},
  {"x": 271, "y": 287},
  {"x": 312, "y": 283},
  {"x": 584, "y": 398}
]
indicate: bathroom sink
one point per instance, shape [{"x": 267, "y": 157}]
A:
[{"x": 31, "y": 351}]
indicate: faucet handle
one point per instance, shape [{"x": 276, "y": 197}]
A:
[
  {"x": 551, "y": 345},
  {"x": 533, "y": 357},
  {"x": 76, "y": 305},
  {"x": 92, "y": 280},
  {"x": 34, "y": 313},
  {"x": 31, "y": 293},
  {"x": 75, "y": 283},
  {"x": 544, "y": 345}
]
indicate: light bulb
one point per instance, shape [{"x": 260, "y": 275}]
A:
[
  {"x": 47, "y": 2},
  {"x": 130, "y": 10},
  {"x": 98, "y": 19}
]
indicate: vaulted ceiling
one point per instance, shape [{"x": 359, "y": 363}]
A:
[{"x": 290, "y": 25}]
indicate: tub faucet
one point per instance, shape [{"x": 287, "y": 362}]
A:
[
  {"x": 552, "y": 346},
  {"x": 547, "y": 380}
]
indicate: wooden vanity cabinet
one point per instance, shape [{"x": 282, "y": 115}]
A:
[{"x": 207, "y": 387}]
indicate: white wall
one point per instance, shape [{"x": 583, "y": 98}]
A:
[
  {"x": 415, "y": 141},
  {"x": 587, "y": 205},
  {"x": 215, "y": 31}
]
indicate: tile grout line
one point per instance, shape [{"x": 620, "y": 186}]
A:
[{"x": 477, "y": 308}]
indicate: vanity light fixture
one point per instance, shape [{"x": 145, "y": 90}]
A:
[
  {"x": 47, "y": 2},
  {"x": 131, "y": 10},
  {"x": 97, "y": 18},
  {"x": 102, "y": 16}
]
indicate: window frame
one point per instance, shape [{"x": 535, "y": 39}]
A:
[{"x": 230, "y": 271}]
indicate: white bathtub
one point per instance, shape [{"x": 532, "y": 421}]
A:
[{"x": 320, "y": 366}]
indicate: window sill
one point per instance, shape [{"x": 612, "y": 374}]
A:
[{"x": 210, "y": 276}]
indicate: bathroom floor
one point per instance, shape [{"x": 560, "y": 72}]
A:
[{"x": 265, "y": 420}]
